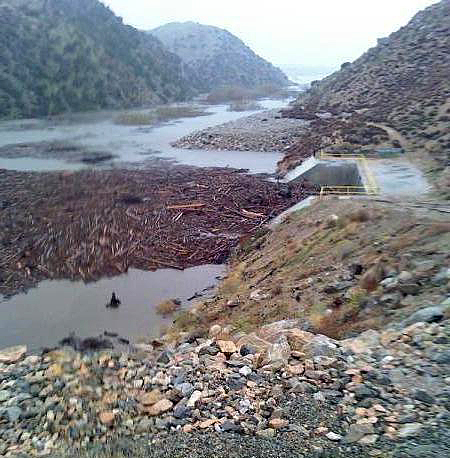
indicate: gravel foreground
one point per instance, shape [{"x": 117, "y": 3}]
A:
[{"x": 280, "y": 392}]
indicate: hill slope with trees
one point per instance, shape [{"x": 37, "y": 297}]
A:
[{"x": 76, "y": 55}]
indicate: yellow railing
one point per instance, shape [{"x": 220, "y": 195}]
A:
[{"x": 348, "y": 190}]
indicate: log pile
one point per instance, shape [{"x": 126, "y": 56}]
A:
[{"x": 90, "y": 224}]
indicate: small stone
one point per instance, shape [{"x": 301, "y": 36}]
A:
[
  {"x": 405, "y": 276},
  {"x": 245, "y": 371},
  {"x": 195, "y": 396},
  {"x": 369, "y": 439},
  {"x": 319, "y": 396},
  {"x": 257, "y": 295},
  {"x": 427, "y": 315},
  {"x": 207, "y": 423},
  {"x": 107, "y": 418},
  {"x": 379, "y": 408},
  {"x": 164, "y": 358},
  {"x": 14, "y": 413},
  {"x": 187, "y": 429},
  {"x": 298, "y": 369},
  {"x": 181, "y": 412},
  {"x": 186, "y": 389},
  {"x": 227, "y": 346},
  {"x": 160, "y": 407},
  {"x": 129, "y": 423},
  {"x": 358, "y": 431},
  {"x": 268, "y": 433},
  {"x": 410, "y": 288},
  {"x": 278, "y": 423},
  {"x": 442, "y": 277},
  {"x": 331, "y": 221},
  {"x": 333, "y": 436},
  {"x": 423, "y": 396},
  {"x": 409, "y": 430},
  {"x": 148, "y": 399},
  {"x": 215, "y": 330},
  {"x": 229, "y": 426},
  {"x": 4, "y": 395},
  {"x": 12, "y": 354}
]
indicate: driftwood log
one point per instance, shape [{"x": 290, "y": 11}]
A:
[{"x": 88, "y": 224}]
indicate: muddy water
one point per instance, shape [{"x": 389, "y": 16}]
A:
[
  {"x": 50, "y": 312},
  {"x": 56, "y": 308},
  {"x": 98, "y": 132}
]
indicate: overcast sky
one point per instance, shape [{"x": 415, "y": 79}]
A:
[{"x": 315, "y": 32}]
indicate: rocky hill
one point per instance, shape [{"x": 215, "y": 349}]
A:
[
  {"x": 74, "y": 55},
  {"x": 403, "y": 83},
  {"x": 217, "y": 57}
]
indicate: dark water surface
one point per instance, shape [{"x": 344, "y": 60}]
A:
[
  {"x": 99, "y": 133},
  {"x": 51, "y": 311}
]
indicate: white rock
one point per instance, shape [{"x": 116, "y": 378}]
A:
[
  {"x": 333, "y": 436},
  {"x": 215, "y": 330},
  {"x": 195, "y": 396},
  {"x": 245, "y": 371},
  {"x": 12, "y": 354},
  {"x": 410, "y": 429}
]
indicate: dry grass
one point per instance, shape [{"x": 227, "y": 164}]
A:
[
  {"x": 168, "y": 307},
  {"x": 360, "y": 216},
  {"x": 164, "y": 113}
]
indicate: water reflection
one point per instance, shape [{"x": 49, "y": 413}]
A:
[{"x": 51, "y": 311}]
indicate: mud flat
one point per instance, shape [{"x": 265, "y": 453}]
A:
[{"x": 93, "y": 223}]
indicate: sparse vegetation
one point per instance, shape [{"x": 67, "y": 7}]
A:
[
  {"x": 160, "y": 114},
  {"x": 242, "y": 95},
  {"x": 168, "y": 307},
  {"x": 245, "y": 106}
]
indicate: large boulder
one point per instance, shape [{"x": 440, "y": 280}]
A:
[
  {"x": 363, "y": 343},
  {"x": 321, "y": 346},
  {"x": 272, "y": 331},
  {"x": 427, "y": 315},
  {"x": 12, "y": 354}
]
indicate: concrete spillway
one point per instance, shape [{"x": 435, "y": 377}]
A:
[
  {"x": 321, "y": 173},
  {"x": 327, "y": 173}
]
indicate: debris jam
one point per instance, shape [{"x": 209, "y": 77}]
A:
[{"x": 88, "y": 224}]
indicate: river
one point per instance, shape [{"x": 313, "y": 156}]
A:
[
  {"x": 99, "y": 132},
  {"x": 54, "y": 309}
]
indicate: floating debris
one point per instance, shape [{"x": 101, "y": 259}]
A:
[{"x": 84, "y": 225}]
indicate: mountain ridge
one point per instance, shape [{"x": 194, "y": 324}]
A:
[{"x": 217, "y": 57}]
